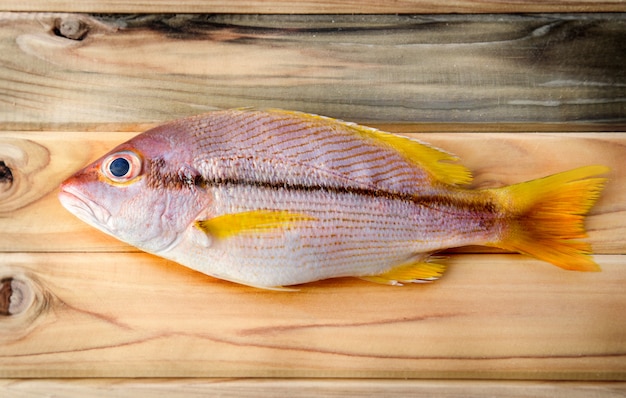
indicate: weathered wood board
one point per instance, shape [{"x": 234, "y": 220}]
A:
[
  {"x": 62, "y": 69},
  {"x": 515, "y": 96}
]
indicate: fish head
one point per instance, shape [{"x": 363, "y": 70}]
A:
[{"x": 143, "y": 192}]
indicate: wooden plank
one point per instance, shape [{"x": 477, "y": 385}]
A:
[
  {"x": 31, "y": 197},
  {"x": 61, "y": 69},
  {"x": 301, "y": 388},
  {"x": 134, "y": 315},
  {"x": 315, "y": 6}
]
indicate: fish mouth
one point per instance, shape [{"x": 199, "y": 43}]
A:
[{"x": 85, "y": 209}]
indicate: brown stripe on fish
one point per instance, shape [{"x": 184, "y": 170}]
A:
[
  {"x": 477, "y": 205},
  {"x": 159, "y": 176}
]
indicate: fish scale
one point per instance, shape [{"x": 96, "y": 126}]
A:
[
  {"x": 351, "y": 235},
  {"x": 313, "y": 145},
  {"x": 272, "y": 198}
]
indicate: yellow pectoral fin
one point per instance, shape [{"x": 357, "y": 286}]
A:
[
  {"x": 417, "y": 272},
  {"x": 228, "y": 225}
]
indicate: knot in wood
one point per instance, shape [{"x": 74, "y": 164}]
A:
[
  {"x": 21, "y": 183},
  {"x": 15, "y": 296},
  {"x": 71, "y": 28},
  {"x": 6, "y": 176}
]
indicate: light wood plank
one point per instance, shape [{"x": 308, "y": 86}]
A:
[
  {"x": 316, "y": 6},
  {"x": 135, "y": 315},
  {"x": 32, "y": 219},
  {"x": 301, "y": 388},
  {"x": 60, "y": 69}
]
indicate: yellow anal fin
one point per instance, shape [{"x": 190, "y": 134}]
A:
[
  {"x": 417, "y": 272},
  {"x": 229, "y": 225}
]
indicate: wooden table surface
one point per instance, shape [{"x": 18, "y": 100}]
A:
[{"x": 515, "y": 96}]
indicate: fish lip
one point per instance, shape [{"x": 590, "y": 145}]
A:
[{"x": 85, "y": 208}]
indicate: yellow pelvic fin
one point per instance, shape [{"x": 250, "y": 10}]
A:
[
  {"x": 546, "y": 217},
  {"x": 228, "y": 225},
  {"x": 440, "y": 164},
  {"x": 416, "y": 272}
]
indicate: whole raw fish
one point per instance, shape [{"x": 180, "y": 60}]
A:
[{"x": 275, "y": 198}]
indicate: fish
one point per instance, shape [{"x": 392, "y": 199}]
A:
[{"x": 272, "y": 198}]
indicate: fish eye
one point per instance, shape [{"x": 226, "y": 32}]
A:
[
  {"x": 122, "y": 166},
  {"x": 119, "y": 167}
]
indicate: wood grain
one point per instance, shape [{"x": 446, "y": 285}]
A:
[
  {"x": 317, "y": 6},
  {"x": 518, "y": 318},
  {"x": 76, "y": 303},
  {"x": 313, "y": 388},
  {"x": 491, "y": 316},
  {"x": 511, "y": 158},
  {"x": 61, "y": 69}
]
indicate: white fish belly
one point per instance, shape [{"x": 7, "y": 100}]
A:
[{"x": 349, "y": 235}]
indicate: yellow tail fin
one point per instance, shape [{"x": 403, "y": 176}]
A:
[{"x": 547, "y": 217}]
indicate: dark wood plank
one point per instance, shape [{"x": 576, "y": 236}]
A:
[{"x": 76, "y": 69}]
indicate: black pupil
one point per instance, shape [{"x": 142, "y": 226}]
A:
[{"x": 119, "y": 167}]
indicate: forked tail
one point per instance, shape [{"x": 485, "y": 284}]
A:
[{"x": 545, "y": 217}]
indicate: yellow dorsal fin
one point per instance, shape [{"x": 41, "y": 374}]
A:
[
  {"x": 440, "y": 164},
  {"x": 415, "y": 272},
  {"x": 228, "y": 225}
]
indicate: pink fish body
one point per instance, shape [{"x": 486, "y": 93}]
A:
[{"x": 276, "y": 198}]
